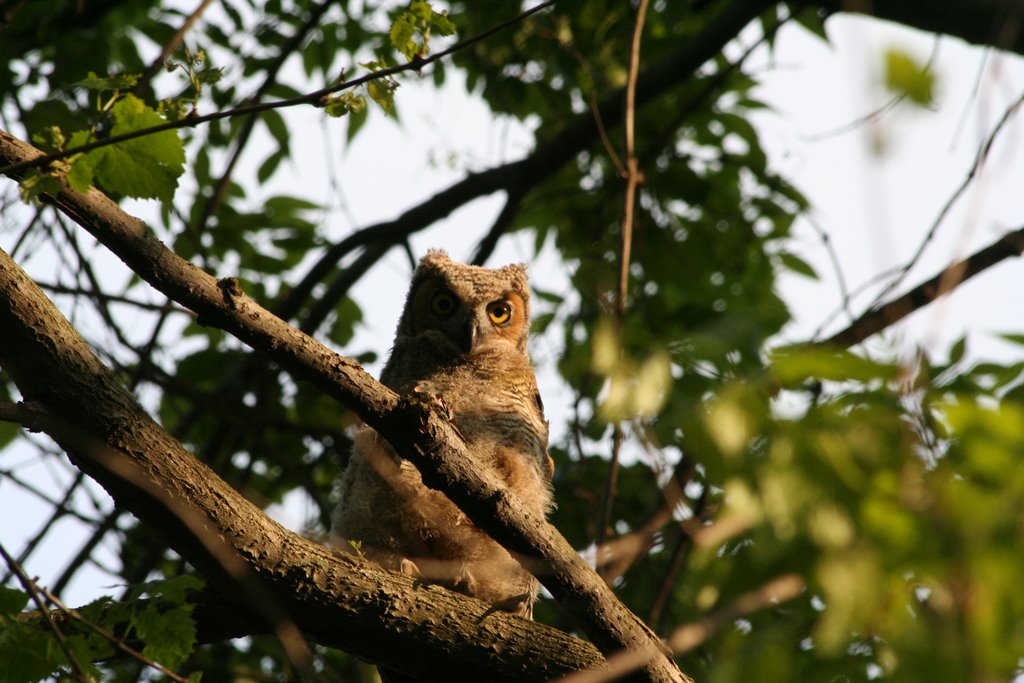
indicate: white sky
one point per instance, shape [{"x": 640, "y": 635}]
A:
[{"x": 876, "y": 208}]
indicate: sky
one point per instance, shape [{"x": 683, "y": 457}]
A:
[
  {"x": 878, "y": 188},
  {"x": 877, "y": 206}
]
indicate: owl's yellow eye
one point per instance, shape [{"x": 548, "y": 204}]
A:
[
  {"x": 443, "y": 303},
  {"x": 500, "y": 312}
]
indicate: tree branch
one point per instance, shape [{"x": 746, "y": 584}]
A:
[
  {"x": 524, "y": 174},
  {"x": 416, "y": 430},
  {"x": 282, "y": 582},
  {"x": 999, "y": 23},
  {"x": 878, "y": 318},
  {"x": 316, "y": 97}
]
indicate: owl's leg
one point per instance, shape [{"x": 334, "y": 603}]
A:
[
  {"x": 520, "y": 605},
  {"x": 465, "y": 582},
  {"x": 409, "y": 568}
]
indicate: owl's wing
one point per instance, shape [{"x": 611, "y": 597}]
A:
[{"x": 547, "y": 465}]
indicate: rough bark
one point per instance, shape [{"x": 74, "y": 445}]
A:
[
  {"x": 277, "y": 578},
  {"x": 415, "y": 428}
]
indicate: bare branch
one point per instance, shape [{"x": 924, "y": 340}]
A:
[
  {"x": 879, "y": 318},
  {"x": 30, "y": 587},
  {"x": 781, "y": 589},
  {"x": 976, "y": 166},
  {"x": 633, "y": 178},
  {"x": 170, "y": 46}
]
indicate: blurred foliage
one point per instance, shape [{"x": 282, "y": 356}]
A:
[
  {"x": 894, "y": 489},
  {"x": 907, "y": 77}
]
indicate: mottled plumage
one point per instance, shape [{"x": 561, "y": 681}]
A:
[{"x": 463, "y": 339}]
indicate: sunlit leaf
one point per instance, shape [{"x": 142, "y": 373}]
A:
[
  {"x": 904, "y": 75},
  {"x": 145, "y": 167}
]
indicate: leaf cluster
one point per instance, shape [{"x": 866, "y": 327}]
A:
[
  {"x": 159, "y": 629},
  {"x": 892, "y": 489}
]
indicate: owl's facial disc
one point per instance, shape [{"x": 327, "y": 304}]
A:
[{"x": 495, "y": 322}]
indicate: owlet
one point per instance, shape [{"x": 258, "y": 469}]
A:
[{"x": 462, "y": 338}]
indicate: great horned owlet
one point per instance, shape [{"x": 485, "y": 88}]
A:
[{"x": 462, "y": 338}]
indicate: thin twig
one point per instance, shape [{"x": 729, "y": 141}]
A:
[
  {"x": 508, "y": 213},
  {"x": 170, "y": 46},
  {"x": 111, "y": 638},
  {"x": 603, "y": 134},
  {"x": 877, "y": 113},
  {"x": 779, "y": 590},
  {"x": 879, "y": 318},
  {"x": 680, "y": 553},
  {"x": 976, "y": 167},
  {"x": 633, "y": 180},
  {"x": 33, "y": 590},
  {"x": 198, "y": 226},
  {"x": 316, "y": 97}
]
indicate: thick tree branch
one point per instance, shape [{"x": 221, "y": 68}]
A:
[
  {"x": 997, "y": 23},
  {"x": 417, "y": 431},
  {"x": 885, "y": 315},
  {"x": 277, "y": 579}
]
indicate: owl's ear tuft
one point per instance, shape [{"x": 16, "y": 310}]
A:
[{"x": 435, "y": 258}]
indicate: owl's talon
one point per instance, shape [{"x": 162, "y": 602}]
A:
[
  {"x": 521, "y": 605},
  {"x": 466, "y": 583},
  {"x": 409, "y": 568}
]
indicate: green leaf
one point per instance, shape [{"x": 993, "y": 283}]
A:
[
  {"x": 107, "y": 83},
  {"x": 795, "y": 367},
  {"x": 28, "y": 654},
  {"x": 796, "y": 264},
  {"x": 289, "y": 205},
  {"x": 356, "y": 122},
  {"x": 956, "y": 353},
  {"x": 383, "y": 93},
  {"x": 348, "y": 314},
  {"x": 440, "y": 22},
  {"x": 269, "y": 166},
  {"x": 277, "y": 127},
  {"x": 401, "y": 35},
  {"x": 50, "y": 137},
  {"x": 907, "y": 77},
  {"x": 170, "y": 635},
  {"x": 146, "y": 167},
  {"x": 37, "y": 183},
  {"x": 410, "y": 33},
  {"x": 1013, "y": 338},
  {"x": 80, "y": 175},
  {"x": 174, "y": 589},
  {"x": 344, "y": 104},
  {"x": 811, "y": 19},
  {"x": 9, "y": 431},
  {"x": 12, "y": 600}
]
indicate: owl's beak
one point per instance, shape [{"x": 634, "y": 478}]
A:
[{"x": 469, "y": 336}]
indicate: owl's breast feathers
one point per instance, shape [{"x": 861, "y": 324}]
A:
[
  {"x": 462, "y": 338},
  {"x": 495, "y": 408}
]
